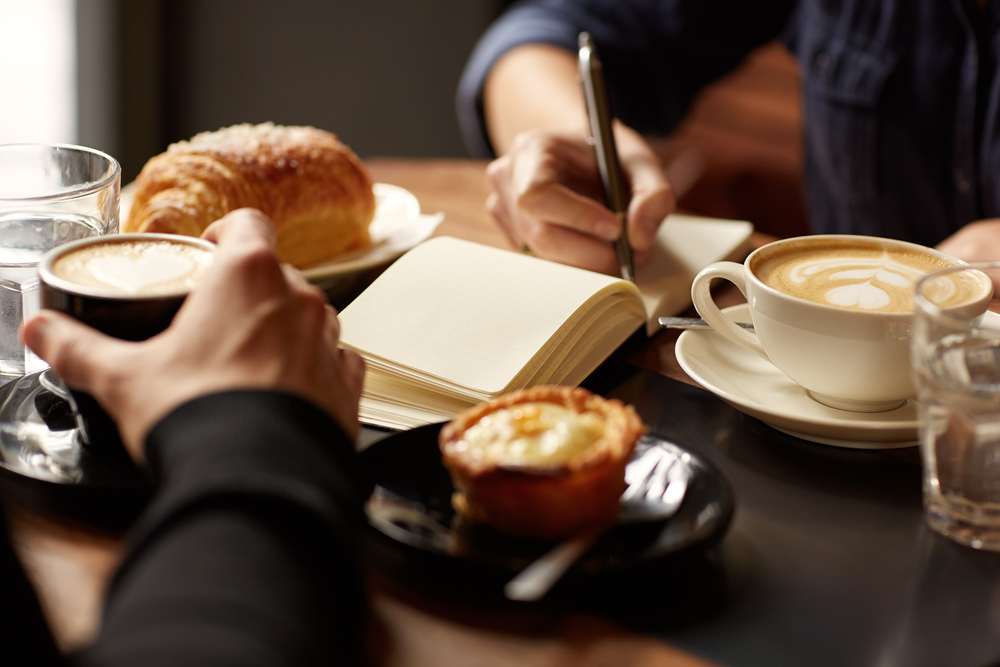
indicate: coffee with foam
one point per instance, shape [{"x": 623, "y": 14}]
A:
[
  {"x": 135, "y": 268},
  {"x": 835, "y": 312},
  {"x": 857, "y": 275}
]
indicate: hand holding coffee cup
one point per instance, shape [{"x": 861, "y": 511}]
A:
[
  {"x": 249, "y": 323},
  {"x": 833, "y": 313},
  {"x": 128, "y": 286}
]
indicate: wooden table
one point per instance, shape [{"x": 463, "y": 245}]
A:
[
  {"x": 824, "y": 541},
  {"x": 71, "y": 564}
]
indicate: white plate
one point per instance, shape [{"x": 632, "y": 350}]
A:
[
  {"x": 754, "y": 386},
  {"x": 398, "y": 226}
]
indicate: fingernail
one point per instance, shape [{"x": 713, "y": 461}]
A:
[{"x": 606, "y": 230}]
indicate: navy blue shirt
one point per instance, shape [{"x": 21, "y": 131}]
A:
[{"x": 901, "y": 99}]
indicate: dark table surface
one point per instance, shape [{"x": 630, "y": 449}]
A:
[{"x": 827, "y": 559}]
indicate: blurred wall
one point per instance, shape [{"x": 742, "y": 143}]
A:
[{"x": 380, "y": 73}]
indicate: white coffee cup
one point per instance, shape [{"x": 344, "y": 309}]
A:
[{"x": 844, "y": 335}]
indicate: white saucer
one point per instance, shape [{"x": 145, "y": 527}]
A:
[{"x": 752, "y": 385}]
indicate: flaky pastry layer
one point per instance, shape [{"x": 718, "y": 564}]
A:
[{"x": 314, "y": 188}]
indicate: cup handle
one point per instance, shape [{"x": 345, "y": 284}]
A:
[{"x": 701, "y": 295}]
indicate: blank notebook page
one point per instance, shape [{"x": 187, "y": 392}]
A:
[{"x": 466, "y": 313}]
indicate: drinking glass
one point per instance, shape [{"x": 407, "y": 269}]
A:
[
  {"x": 49, "y": 195},
  {"x": 955, "y": 355}
]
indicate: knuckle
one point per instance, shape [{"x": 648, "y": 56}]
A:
[
  {"x": 539, "y": 237},
  {"x": 497, "y": 168},
  {"x": 547, "y": 143},
  {"x": 537, "y": 138},
  {"x": 333, "y": 322},
  {"x": 523, "y": 139},
  {"x": 536, "y": 196},
  {"x": 494, "y": 206},
  {"x": 64, "y": 358},
  {"x": 257, "y": 262},
  {"x": 312, "y": 302},
  {"x": 524, "y": 199},
  {"x": 549, "y": 163},
  {"x": 259, "y": 257}
]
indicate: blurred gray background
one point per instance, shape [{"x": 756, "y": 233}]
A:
[{"x": 381, "y": 74}]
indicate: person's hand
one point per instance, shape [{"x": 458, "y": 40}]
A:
[
  {"x": 547, "y": 193},
  {"x": 978, "y": 241},
  {"x": 251, "y": 323}
]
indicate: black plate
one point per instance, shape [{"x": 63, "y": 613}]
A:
[{"x": 411, "y": 505}]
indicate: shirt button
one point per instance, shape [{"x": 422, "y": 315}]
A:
[
  {"x": 962, "y": 183},
  {"x": 820, "y": 63}
]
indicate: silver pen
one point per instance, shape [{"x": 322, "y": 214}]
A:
[{"x": 603, "y": 140}]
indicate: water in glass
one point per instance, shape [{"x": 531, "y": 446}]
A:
[
  {"x": 960, "y": 437},
  {"x": 24, "y": 238}
]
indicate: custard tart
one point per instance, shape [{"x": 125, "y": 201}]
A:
[{"x": 544, "y": 462}]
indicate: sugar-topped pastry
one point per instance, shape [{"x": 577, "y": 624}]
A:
[
  {"x": 543, "y": 462},
  {"x": 314, "y": 188}
]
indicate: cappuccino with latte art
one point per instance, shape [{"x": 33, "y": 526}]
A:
[
  {"x": 833, "y": 312},
  {"x": 855, "y": 276},
  {"x": 128, "y": 286},
  {"x": 136, "y": 267}
]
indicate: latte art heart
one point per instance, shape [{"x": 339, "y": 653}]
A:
[
  {"x": 855, "y": 276},
  {"x": 863, "y": 295},
  {"x": 136, "y": 275},
  {"x": 870, "y": 284},
  {"x": 135, "y": 268}
]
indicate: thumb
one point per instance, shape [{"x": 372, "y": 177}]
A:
[{"x": 76, "y": 352}]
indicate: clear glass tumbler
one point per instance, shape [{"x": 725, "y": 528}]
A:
[
  {"x": 955, "y": 354},
  {"x": 49, "y": 195}
]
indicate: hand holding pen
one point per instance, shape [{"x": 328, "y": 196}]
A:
[{"x": 548, "y": 195}]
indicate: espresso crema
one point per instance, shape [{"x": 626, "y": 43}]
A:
[
  {"x": 135, "y": 268},
  {"x": 864, "y": 277}
]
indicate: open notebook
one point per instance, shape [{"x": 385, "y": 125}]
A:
[{"x": 453, "y": 323}]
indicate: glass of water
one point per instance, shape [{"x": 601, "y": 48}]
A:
[
  {"x": 49, "y": 195},
  {"x": 956, "y": 365}
]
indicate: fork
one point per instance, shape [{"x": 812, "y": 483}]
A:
[{"x": 656, "y": 488}]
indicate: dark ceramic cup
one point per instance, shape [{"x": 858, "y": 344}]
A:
[{"x": 128, "y": 286}]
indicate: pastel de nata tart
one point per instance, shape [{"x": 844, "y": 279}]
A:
[{"x": 546, "y": 462}]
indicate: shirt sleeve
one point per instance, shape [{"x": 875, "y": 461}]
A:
[
  {"x": 657, "y": 54},
  {"x": 245, "y": 553}
]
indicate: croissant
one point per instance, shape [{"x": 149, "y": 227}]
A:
[{"x": 314, "y": 188}]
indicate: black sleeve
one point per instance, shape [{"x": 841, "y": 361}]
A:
[{"x": 244, "y": 556}]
